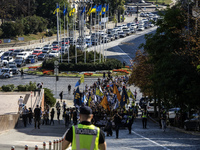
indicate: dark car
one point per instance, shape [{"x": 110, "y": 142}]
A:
[
  {"x": 20, "y": 62},
  {"x": 32, "y": 59},
  {"x": 14, "y": 69},
  {"x": 193, "y": 123},
  {"x": 42, "y": 56}
]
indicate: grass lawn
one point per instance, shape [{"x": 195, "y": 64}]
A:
[{"x": 161, "y": 1}]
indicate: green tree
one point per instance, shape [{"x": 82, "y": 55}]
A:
[{"x": 48, "y": 97}]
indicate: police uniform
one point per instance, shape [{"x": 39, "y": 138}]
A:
[
  {"x": 85, "y": 135},
  {"x": 144, "y": 119}
]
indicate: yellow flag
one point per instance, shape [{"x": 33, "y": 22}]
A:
[
  {"x": 104, "y": 103},
  {"x": 82, "y": 79},
  {"x": 89, "y": 100},
  {"x": 115, "y": 91},
  {"x": 72, "y": 12},
  {"x": 98, "y": 92}
]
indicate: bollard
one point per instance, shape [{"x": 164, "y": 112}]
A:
[
  {"x": 12, "y": 148},
  {"x": 44, "y": 146},
  {"x": 54, "y": 144},
  {"x": 36, "y": 147},
  {"x": 26, "y": 147},
  {"x": 60, "y": 144},
  {"x": 49, "y": 145},
  {"x": 57, "y": 144}
]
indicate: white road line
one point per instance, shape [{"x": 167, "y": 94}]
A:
[
  {"x": 128, "y": 62},
  {"x": 150, "y": 140}
]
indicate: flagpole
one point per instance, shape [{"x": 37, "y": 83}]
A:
[
  {"x": 91, "y": 24},
  {"x": 106, "y": 42},
  {"x": 75, "y": 38},
  {"x": 95, "y": 35},
  {"x": 64, "y": 30},
  {"x": 57, "y": 6},
  {"x": 68, "y": 36},
  {"x": 84, "y": 18},
  {"x": 98, "y": 34},
  {"x": 60, "y": 31},
  {"x": 106, "y": 30}
]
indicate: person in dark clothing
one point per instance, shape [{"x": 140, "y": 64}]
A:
[
  {"x": 104, "y": 74},
  {"x": 144, "y": 119},
  {"x": 163, "y": 118},
  {"x": 52, "y": 116},
  {"x": 25, "y": 115},
  {"x": 117, "y": 120},
  {"x": 22, "y": 73},
  {"x": 85, "y": 126},
  {"x": 58, "y": 115},
  {"x": 37, "y": 113},
  {"x": 75, "y": 117},
  {"x": 30, "y": 116},
  {"x": 108, "y": 128},
  {"x": 67, "y": 115},
  {"x": 129, "y": 122},
  {"x": 69, "y": 89},
  {"x": 61, "y": 96}
]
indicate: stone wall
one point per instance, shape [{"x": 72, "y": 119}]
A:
[{"x": 8, "y": 121}]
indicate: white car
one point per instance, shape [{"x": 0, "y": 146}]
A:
[
  {"x": 37, "y": 48},
  {"x": 140, "y": 28},
  {"x": 172, "y": 113},
  {"x": 5, "y": 60},
  {"x": 24, "y": 55},
  {"x": 78, "y": 45},
  {"x": 150, "y": 108},
  {"x": 133, "y": 26},
  {"x": 5, "y": 73},
  {"x": 54, "y": 54},
  {"x": 1, "y": 53}
]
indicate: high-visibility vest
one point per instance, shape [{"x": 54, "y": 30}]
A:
[
  {"x": 129, "y": 119},
  {"x": 85, "y": 137},
  {"x": 144, "y": 115}
]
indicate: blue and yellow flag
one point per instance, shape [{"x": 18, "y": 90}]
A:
[
  {"x": 98, "y": 92},
  {"x": 77, "y": 97},
  {"x": 82, "y": 79},
  {"x": 99, "y": 9},
  {"x": 92, "y": 10},
  {"x": 56, "y": 10},
  {"x": 103, "y": 9},
  {"x": 72, "y": 12},
  {"x": 83, "y": 11},
  {"x": 107, "y": 7},
  {"x": 65, "y": 10}
]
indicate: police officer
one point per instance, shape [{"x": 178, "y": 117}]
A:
[
  {"x": 144, "y": 119},
  {"x": 129, "y": 122},
  {"x": 85, "y": 135}
]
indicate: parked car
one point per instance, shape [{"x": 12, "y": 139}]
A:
[
  {"x": 23, "y": 55},
  {"x": 172, "y": 114},
  {"x": 46, "y": 50},
  {"x": 193, "y": 123},
  {"x": 109, "y": 31},
  {"x": 20, "y": 62},
  {"x": 14, "y": 69},
  {"x": 1, "y": 53},
  {"x": 122, "y": 34},
  {"x": 48, "y": 46},
  {"x": 54, "y": 54},
  {"x": 32, "y": 59},
  {"x": 5, "y": 73},
  {"x": 79, "y": 45},
  {"x": 17, "y": 51},
  {"x": 150, "y": 107},
  {"x": 6, "y": 54},
  {"x": 116, "y": 36},
  {"x": 42, "y": 56},
  {"x": 127, "y": 32},
  {"x": 140, "y": 28},
  {"x": 37, "y": 52},
  {"x": 55, "y": 43},
  {"x": 111, "y": 36},
  {"x": 56, "y": 48},
  {"x": 6, "y": 60}
]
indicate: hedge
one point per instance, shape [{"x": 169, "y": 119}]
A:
[{"x": 108, "y": 65}]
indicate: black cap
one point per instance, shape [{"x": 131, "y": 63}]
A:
[{"x": 85, "y": 110}]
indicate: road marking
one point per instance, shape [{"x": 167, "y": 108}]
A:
[{"x": 150, "y": 140}]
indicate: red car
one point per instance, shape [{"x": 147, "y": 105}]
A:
[
  {"x": 37, "y": 52},
  {"x": 56, "y": 48}
]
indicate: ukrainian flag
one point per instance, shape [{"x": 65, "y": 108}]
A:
[
  {"x": 103, "y": 9},
  {"x": 56, "y": 10},
  {"x": 92, "y": 10},
  {"x": 72, "y": 12}
]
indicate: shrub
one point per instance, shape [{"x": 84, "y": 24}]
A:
[
  {"x": 8, "y": 88},
  {"x": 22, "y": 88},
  {"x": 48, "y": 97}
]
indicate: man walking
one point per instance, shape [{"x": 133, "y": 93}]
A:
[
  {"x": 85, "y": 135},
  {"x": 37, "y": 114},
  {"x": 117, "y": 120},
  {"x": 163, "y": 119},
  {"x": 144, "y": 119}
]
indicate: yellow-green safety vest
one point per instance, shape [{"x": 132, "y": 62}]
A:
[
  {"x": 144, "y": 115},
  {"x": 85, "y": 137}
]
